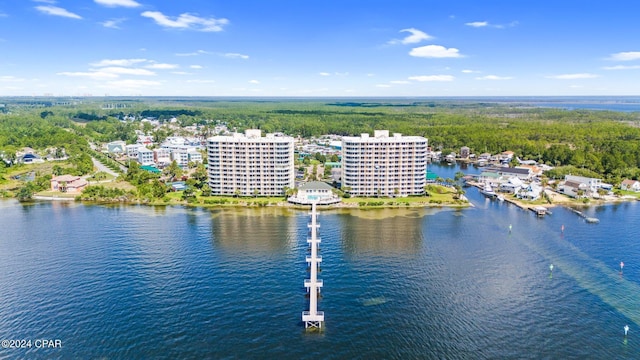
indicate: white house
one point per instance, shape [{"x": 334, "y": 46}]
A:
[
  {"x": 314, "y": 191},
  {"x": 630, "y": 185},
  {"x": 592, "y": 184}
]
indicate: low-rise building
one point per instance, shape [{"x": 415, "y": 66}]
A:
[
  {"x": 68, "y": 183},
  {"x": 314, "y": 192},
  {"x": 145, "y": 156},
  {"x": 630, "y": 185}
]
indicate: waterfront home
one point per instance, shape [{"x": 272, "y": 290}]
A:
[
  {"x": 465, "y": 152},
  {"x": 574, "y": 188},
  {"x": 68, "y": 183},
  {"x": 530, "y": 192},
  {"x": 506, "y": 156},
  {"x": 592, "y": 184},
  {"x": 630, "y": 185},
  {"x": 512, "y": 186},
  {"x": 523, "y": 174},
  {"x": 314, "y": 192}
]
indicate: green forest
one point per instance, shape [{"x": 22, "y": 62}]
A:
[{"x": 599, "y": 142}]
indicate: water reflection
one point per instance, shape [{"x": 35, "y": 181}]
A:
[
  {"x": 383, "y": 235},
  {"x": 256, "y": 230}
]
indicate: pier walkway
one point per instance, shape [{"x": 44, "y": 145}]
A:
[{"x": 313, "y": 318}]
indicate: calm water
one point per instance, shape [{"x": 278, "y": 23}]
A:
[{"x": 140, "y": 282}]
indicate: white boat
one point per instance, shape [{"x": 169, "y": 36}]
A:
[
  {"x": 500, "y": 197},
  {"x": 488, "y": 191}
]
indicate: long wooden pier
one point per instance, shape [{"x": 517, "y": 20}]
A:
[{"x": 313, "y": 318}]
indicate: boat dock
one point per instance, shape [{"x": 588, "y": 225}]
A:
[
  {"x": 538, "y": 210},
  {"x": 591, "y": 220},
  {"x": 313, "y": 318}
]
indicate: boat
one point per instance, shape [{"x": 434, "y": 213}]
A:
[
  {"x": 488, "y": 190},
  {"x": 500, "y": 198}
]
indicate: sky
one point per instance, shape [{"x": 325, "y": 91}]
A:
[{"x": 323, "y": 48}]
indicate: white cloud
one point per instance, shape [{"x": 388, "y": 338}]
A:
[
  {"x": 478, "y": 24},
  {"x": 622, "y": 67},
  {"x": 494, "y": 77},
  {"x": 162, "y": 66},
  {"x": 400, "y": 82},
  {"x": 10, "y": 78},
  {"x": 467, "y": 71},
  {"x": 199, "y": 81},
  {"x": 573, "y": 76},
  {"x": 126, "y": 71},
  {"x": 423, "y": 78},
  {"x": 625, "y": 56},
  {"x": 181, "y": 73},
  {"x": 254, "y": 82},
  {"x": 97, "y": 75},
  {"x": 129, "y": 83},
  {"x": 415, "y": 37},
  {"x": 195, "y": 53},
  {"x": 196, "y": 66},
  {"x": 236, "y": 56},
  {"x": 57, "y": 11},
  {"x": 45, "y": 1},
  {"x": 383, "y": 85},
  {"x": 118, "y": 62},
  {"x": 324, "y": 74},
  {"x": 113, "y": 23},
  {"x": 187, "y": 21},
  {"x": 115, "y": 3},
  {"x": 435, "y": 51}
]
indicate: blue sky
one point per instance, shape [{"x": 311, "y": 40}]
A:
[{"x": 319, "y": 48}]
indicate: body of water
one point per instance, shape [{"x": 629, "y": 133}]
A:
[{"x": 134, "y": 282}]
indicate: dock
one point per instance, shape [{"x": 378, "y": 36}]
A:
[{"x": 313, "y": 319}]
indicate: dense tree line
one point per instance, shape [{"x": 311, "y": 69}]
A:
[{"x": 602, "y": 142}]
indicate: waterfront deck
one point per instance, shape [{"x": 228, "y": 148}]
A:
[{"x": 313, "y": 319}]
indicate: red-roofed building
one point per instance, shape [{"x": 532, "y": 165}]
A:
[{"x": 68, "y": 183}]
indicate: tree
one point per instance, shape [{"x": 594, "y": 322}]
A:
[
  {"x": 188, "y": 193},
  {"x": 206, "y": 190},
  {"x": 26, "y": 192},
  {"x": 173, "y": 171},
  {"x": 57, "y": 170}
]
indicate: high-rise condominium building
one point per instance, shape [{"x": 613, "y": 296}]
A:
[
  {"x": 249, "y": 164},
  {"x": 384, "y": 165}
]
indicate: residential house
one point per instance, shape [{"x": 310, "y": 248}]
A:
[
  {"x": 530, "y": 192},
  {"x": 116, "y": 147},
  {"x": 592, "y": 184},
  {"x": 464, "y": 152},
  {"x": 68, "y": 183},
  {"x": 523, "y": 174},
  {"x": 512, "y": 186},
  {"x": 574, "y": 188},
  {"x": 630, "y": 185}
]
